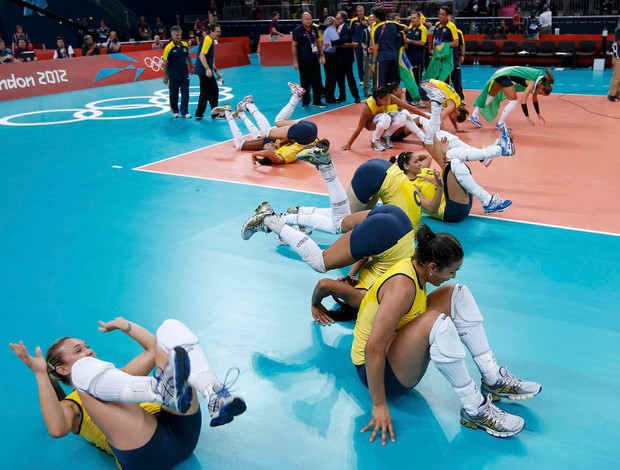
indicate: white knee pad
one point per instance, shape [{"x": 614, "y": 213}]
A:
[
  {"x": 173, "y": 333},
  {"x": 465, "y": 311},
  {"x": 86, "y": 371},
  {"x": 459, "y": 169},
  {"x": 445, "y": 344},
  {"x": 383, "y": 120},
  {"x": 398, "y": 121}
]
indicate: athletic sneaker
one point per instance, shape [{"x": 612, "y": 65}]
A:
[
  {"x": 199, "y": 118},
  {"x": 219, "y": 110},
  {"x": 296, "y": 89},
  {"x": 256, "y": 222},
  {"x": 316, "y": 155},
  {"x": 387, "y": 142},
  {"x": 421, "y": 104},
  {"x": 242, "y": 105},
  {"x": 496, "y": 204},
  {"x": 508, "y": 386},
  {"x": 172, "y": 384},
  {"x": 474, "y": 120},
  {"x": 506, "y": 143},
  {"x": 376, "y": 144},
  {"x": 187, "y": 116},
  {"x": 320, "y": 104},
  {"x": 293, "y": 210},
  {"x": 175, "y": 115},
  {"x": 433, "y": 92},
  {"x": 222, "y": 406},
  {"x": 500, "y": 127},
  {"x": 487, "y": 161},
  {"x": 494, "y": 421}
]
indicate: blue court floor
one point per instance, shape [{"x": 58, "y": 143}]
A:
[{"x": 84, "y": 237}]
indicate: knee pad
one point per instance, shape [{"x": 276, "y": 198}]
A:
[
  {"x": 86, "y": 371},
  {"x": 459, "y": 169},
  {"x": 383, "y": 120},
  {"x": 398, "y": 120},
  {"x": 445, "y": 345},
  {"x": 465, "y": 311},
  {"x": 173, "y": 333}
]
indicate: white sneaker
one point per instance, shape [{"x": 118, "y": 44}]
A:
[
  {"x": 376, "y": 145},
  {"x": 433, "y": 92},
  {"x": 508, "y": 386},
  {"x": 175, "y": 115},
  {"x": 223, "y": 407},
  {"x": 494, "y": 421},
  {"x": 187, "y": 116},
  {"x": 296, "y": 89},
  {"x": 387, "y": 142},
  {"x": 255, "y": 223}
]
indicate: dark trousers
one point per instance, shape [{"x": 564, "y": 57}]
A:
[
  {"x": 417, "y": 71},
  {"x": 173, "y": 87},
  {"x": 209, "y": 92},
  {"x": 331, "y": 76},
  {"x": 310, "y": 76},
  {"x": 387, "y": 71},
  {"x": 359, "y": 59},
  {"x": 457, "y": 82},
  {"x": 346, "y": 71}
]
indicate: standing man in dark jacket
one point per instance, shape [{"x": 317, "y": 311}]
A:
[
  {"x": 308, "y": 56},
  {"x": 346, "y": 57}
]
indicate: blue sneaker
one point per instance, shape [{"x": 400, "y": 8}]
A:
[
  {"x": 496, "y": 204},
  {"x": 223, "y": 407},
  {"x": 506, "y": 143},
  {"x": 500, "y": 127},
  {"x": 317, "y": 155},
  {"x": 474, "y": 120},
  {"x": 172, "y": 385}
]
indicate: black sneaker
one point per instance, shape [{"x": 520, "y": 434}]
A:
[
  {"x": 320, "y": 104},
  {"x": 611, "y": 98}
]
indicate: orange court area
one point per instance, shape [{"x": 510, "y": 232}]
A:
[{"x": 562, "y": 173}]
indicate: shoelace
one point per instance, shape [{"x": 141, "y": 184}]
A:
[
  {"x": 511, "y": 380},
  {"x": 494, "y": 414},
  {"x": 226, "y": 385}
]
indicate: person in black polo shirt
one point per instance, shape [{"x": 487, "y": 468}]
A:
[
  {"x": 388, "y": 40},
  {"x": 307, "y": 56},
  {"x": 176, "y": 60},
  {"x": 205, "y": 69},
  {"x": 416, "y": 46}
]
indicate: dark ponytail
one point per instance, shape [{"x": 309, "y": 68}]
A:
[
  {"x": 401, "y": 160},
  {"x": 440, "y": 248},
  {"x": 53, "y": 359}
]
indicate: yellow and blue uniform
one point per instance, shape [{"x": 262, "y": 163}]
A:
[
  {"x": 370, "y": 305},
  {"x": 399, "y": 191},
  {"x": 451, "y": 94},
  {"x": 289, "y": 151},
  {"x": 429, "y": 189},
  {"x": 375, "y": 109}
]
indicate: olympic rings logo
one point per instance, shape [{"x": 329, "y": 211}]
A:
[
  {"x": 154, "y": 63},
  {"x": 128, "y": 107}
]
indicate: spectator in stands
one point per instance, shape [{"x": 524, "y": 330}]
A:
[
  {"x": 473, "y": 29},
  {"x": 113, "y": 45},
  {"x": 205, "y": 69},
  {"x": 213, "y": 9},
  {"x": 63, "y": 51},
  {"x": 545, "y": 20},
  {"x": 517, "y": 22},
  {"x": 19, "y": 51},
  {"x": 211, "y": 19},
  {"x": 477, "y": 7},
  {"x": 19, "y": 34},
  {"x": 160, "y": 28},
  {"x": 6, "y": 56},
  {"x": 503, "y": 29},
  {"x": 178, "y": 21},
  {"x": 176, "y": 76},
  {"x": 606, "y": 7},
  {"x": 103, "y": 32},
  {"x": 531, "y": 26},
  {"x": 350, "y": 8},
  {"x": 308, "y": 56},
  {"x": 157, "y": 44},
  {"x": 192, "y": 40},
  {"x": 199, "y": 26},
  {"x": 257, "y": 13},
  {"x": 274, "y": 33},
  {"x": 145, "y": 33},
  {"x": 494, "y": 7},
  {"x": 614, "y": 87},
  {"x": 89, "y": 47}
]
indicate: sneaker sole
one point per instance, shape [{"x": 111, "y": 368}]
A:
[
  {"x": 228, "y": 413},
  {"x": 182, "y": 370},
  {"x": 489, "y": 431},
  {"x": 498, "y": 396}
]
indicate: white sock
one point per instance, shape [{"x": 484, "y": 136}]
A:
[
  {"x": 397, "y": 122},
  {"x": 470, "y": 397},
  {"x": 489, "y": 100},
  {"x": 476, "y": 112},
  {"x": 261, "y": 120},
  {"x": 275, "y": 223},
  {"x": 434, "y": 124},
  {"x": 338, "y": 199},
  {"x": 488, "y": 367},
  {"x": 411, "y": 126},
  {"x": 287, "y": 111},
  {"x": 234, "y": 128},
  {"x": 474, "y": 154},
  {"x": 507, "y": 110},
  {"x": 252, "y": 129},
  {"x": 201, "y": 375},
  {"x": 318, "y": 222},
  {"x": 304, "y": 246},
  {"x": 467, "y": 182}
]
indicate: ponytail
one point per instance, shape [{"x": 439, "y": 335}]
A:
[
  {"x": 53, "y": 359},
  {"x": 440, "y": 248}
]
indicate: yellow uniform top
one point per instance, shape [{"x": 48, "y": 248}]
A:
[
  {"x": 206, "y": 45},
  {"x": 289, "y": 151},
  {"x": 379, "y": 264},
  {"x": 89, "y": 430},
  {"x": 375, "y": 108},
  {"x": 427, "y": 188},
  {"x": 170, "y": 46},
  {"x": 399, "y": 191},
  {"x": 451, "y": 95},
  {"x": 370, "y": 305}
]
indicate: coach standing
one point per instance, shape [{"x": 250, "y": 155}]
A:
[
  {"x": 205, "y": 70},
  {"x": 614, "y": 87},
  {"x": 307, "y": 56},
  {"x": 176, "y": 76}
]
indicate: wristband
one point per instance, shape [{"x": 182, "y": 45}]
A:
[
  {"x": 525, "y": 111},
  {"x": 535, "y": 103}
]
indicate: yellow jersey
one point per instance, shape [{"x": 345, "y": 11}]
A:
[
  {"x": 370, "y": 305},
  {"x": 399, "y": 191},
  {"x": 289, "y": 151},
  {"x": 451, "y": 95},
  {"x": 428, "y": 190}
]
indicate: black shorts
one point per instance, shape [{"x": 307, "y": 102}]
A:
[
  {"x": 380, "y": 231},
  {"x": 368, "y": 178},
  {"x": 393, "y": 387},
  {"x": 303, "y": 132}
]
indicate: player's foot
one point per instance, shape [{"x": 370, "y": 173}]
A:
[
  {"x": 496, "y": 204},
  {"x": 296, "y": 89},
  {"x": 508, "y": 386},
  {"x": 377, "y": 145},
  {"x": 172, "y": 384},
  {"x": 474, "y": 120},
  {"x": 387, "y": 142},
  {"x": 433, "y": 92},
  {"x": 256, "y": 223},
  {"x": 317, "y": 155},
  {"x": 223, "y": 407},
  {"x": 494, "y": 421},
  {"x": 506, "y": 143}
]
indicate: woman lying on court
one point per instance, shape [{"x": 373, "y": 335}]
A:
[
  {"x": 400, "y": 329},
  {"x": 280, "y": 143},
  {"x": 504, "y": 84},
  {"x": 144, "y": 422}
]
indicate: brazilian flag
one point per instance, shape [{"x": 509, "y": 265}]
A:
[
  {"x": 406, "y": 75},
  {"x": 442, "y": 63}
]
